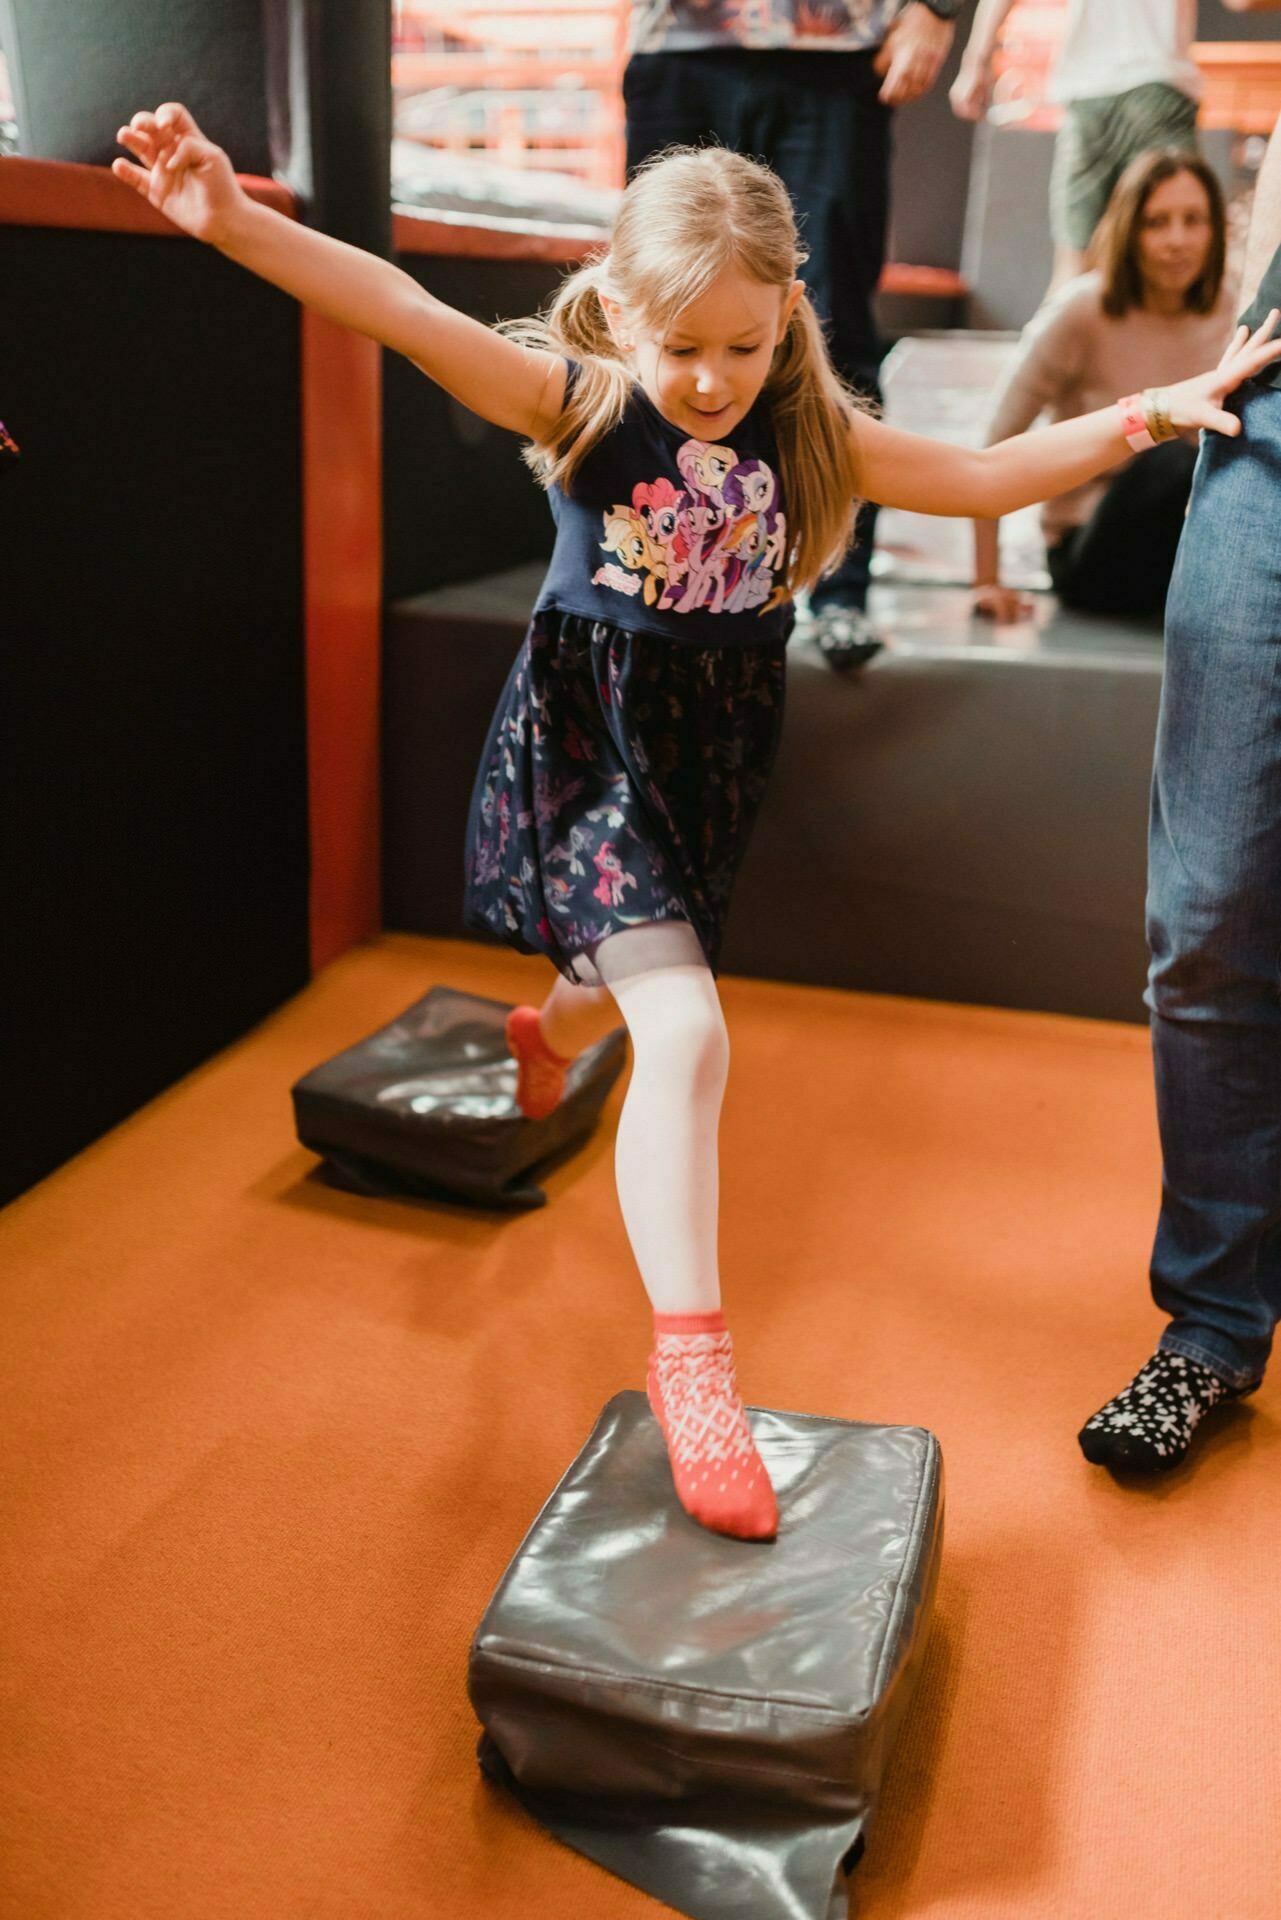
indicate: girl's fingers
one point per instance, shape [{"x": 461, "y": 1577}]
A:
[
  {"x": 1244, "y": 362},
  {"x": 176, "y": 121},
  {"x": 189, "y": 152},
  {"x": 135, "y": 177},
  {"x": 161, "y": 132},
  {"x": 1245, "y": 365},
  {"x": 1234, "y": 345},
  {"x": 138, "y": 143},
  {"x": 145, "y": 125},
  {"x": 145, "y": 138}
]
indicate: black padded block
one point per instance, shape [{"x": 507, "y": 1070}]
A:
[
  {"x": 425, "y": 1107},
  {"x": 707, "y": 1718}
]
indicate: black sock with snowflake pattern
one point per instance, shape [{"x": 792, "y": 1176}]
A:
[{"x": 1148, "y": 1427}]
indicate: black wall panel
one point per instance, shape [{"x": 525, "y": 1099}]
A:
[
  {"x": 153, "y": 804},
  {"x": 458, "y": 500},
  {"x": 79, "y": 68}
]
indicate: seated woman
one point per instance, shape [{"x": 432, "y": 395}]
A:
[{"x": 1152, "y": 309}]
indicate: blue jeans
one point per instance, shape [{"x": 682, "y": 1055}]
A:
[{"x": 1214, "y": 908}]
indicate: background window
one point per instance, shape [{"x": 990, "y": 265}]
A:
[{"x": 509, "y": 106}]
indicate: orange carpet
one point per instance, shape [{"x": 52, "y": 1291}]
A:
[{"x": 267, "y": 1450}]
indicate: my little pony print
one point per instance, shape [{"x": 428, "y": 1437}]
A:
[{"x": 718, "y": 544}]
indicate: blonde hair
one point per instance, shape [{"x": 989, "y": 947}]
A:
[{"x": 687, "y": 215}]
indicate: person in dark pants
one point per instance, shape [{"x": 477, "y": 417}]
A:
[
  {"x": 810, "y": 90},
  {"x": 1214, "y": 926},
  {"x": 1121, "y": 559}
]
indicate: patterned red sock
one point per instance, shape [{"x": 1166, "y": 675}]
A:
[
  {"x": 720, "y": 1477},
  {"x": 540, "y": 1073}
]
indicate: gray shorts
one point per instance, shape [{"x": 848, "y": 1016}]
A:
[{"x": 1096, "y": 143}]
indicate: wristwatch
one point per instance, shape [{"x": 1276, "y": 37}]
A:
[{"x": 945, "y": 9}]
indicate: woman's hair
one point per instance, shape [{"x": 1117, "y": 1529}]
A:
[
  {"x": 686, "y": 216},
  {"x": 1114, "y": 250}
]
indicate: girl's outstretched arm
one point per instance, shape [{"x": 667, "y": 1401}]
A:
[
  {"x": 926, "y": 476},
  {"x": 192, "y": 182}
]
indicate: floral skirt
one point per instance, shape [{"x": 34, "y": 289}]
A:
[{"x": 619, "y": 785}]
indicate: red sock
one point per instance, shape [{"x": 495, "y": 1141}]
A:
[
  {"x": 540, "y": 1073},
  {"x": 720, "y": 1477}
]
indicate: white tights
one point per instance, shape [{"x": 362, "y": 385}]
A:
[{"x": 666, "y": 1157}]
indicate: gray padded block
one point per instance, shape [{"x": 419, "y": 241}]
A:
[
  {"x": 710, "y": 1719},
  {"x": 949, "y": 826},
  {"x": 963, "y": 820},
  {"x": 425, "y": 1108}
]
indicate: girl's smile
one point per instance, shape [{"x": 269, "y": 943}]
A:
[{"x": 705, "y": 371}]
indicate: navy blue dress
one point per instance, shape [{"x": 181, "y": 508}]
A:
[{"x": 633, "y": 742}]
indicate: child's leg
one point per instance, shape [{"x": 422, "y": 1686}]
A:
[
  {"x": 572, "y": 1016},
  {"x": 666, "y": 1153},
  {"x": 543, "y": 1040},
  {"x": 668, "y": 1187}
]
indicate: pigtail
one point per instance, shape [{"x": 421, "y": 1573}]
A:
[
  {"x": 812, "y": 411},
  {"x": 574, "y": 325},
  {"x": 576, "y": 317}
]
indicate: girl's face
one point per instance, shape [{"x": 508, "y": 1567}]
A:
[
  {"x": 704, "y": 373},
  {"x": 1174, "y": 237}
]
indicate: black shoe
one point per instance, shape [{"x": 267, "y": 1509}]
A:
[
  {"x": 1148, "y": 1427},
  {"x": 845, "y": 637}
]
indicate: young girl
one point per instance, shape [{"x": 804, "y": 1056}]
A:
[{"x": 702, "y": 460}]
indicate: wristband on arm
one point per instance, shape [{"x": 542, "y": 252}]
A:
[{"x": 1145, "y": 418}]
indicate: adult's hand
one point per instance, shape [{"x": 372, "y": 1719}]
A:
[
  {"x": 911, "y": 54},
  {"x": 971, "y": 91}
]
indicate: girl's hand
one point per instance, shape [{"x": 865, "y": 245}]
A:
[
  {"x": 1005, "y": 605},
  {"x": 185, "y": 176},
  {"x": 1196, "y": 403}
]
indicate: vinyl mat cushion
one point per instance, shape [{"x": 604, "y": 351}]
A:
[
  {"x": 425, "y": 1107},
  {"x": 709, "y": 1718}
]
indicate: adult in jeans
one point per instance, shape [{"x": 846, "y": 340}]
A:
[
  {"x": 810, "y": 89},
  {"x": 1153, "y": 310},
  {"x": 1127, "y": 80},
  {"x": 1214, "y": 925}
]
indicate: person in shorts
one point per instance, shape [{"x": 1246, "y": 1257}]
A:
[{"x": 1127, "y": 82}]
